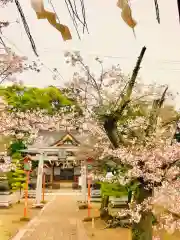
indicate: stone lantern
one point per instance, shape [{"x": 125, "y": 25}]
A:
[
  {"x": 5, "y": 193},
  {"x": 4, "y": 185}
]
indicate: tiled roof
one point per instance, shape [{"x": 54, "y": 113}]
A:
[{"x": 48, "y": 138}]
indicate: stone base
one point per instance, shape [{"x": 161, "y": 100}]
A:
[
  {"x": 31, "y": 194},
  {"x": 82, "y": 205},
  {"x": 96, "y": 199},
  {"x": 36, "y": 205},
  {"x": 87, "y": 219},
  {"x": 56, "y": 186}
]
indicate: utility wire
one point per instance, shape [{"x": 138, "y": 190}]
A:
[
  {"x": 42, "y": 63},
  {"x": 165, "y": 61},
  {"x": 159, "y": 61}
]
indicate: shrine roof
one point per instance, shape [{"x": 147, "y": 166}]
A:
[{"x": 50, "y": 138}]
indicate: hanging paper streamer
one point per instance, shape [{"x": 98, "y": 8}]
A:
[
  {"x": 41, "y": 13},
  {"x": 157, "y": 10},
  {"x": 126, "y": 13}
]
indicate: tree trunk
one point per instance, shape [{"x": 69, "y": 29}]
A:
[
  {"x": 110, "y": 126},
  {"x": 19, "y": 197},
  {"x": 106, "y": 201},
  {"x": 104, "y": 207},
  {"x": 143, "y": 229}
]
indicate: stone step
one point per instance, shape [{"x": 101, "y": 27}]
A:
[{"x": 95, "y": 199}]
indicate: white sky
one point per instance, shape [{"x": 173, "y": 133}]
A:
[{"x": 109, "y": 36}]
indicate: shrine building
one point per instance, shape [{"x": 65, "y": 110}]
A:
[{"x": 61, "y": 165}]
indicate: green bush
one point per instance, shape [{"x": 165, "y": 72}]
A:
[{"x": 18, "y": 177}]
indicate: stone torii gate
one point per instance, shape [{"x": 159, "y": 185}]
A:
[
  {"x": 60, "y": 155},
  {"x": 42, "y": 152}
]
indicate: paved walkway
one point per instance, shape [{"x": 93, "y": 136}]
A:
[{"x": 58, "y": 220}]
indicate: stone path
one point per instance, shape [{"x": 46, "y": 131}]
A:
[{"x": 57, "y": 221}]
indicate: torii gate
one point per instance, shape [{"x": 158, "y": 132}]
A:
[{"x": 61, "y": 153}]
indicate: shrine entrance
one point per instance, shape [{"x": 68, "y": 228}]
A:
[
  {"x": 63, "y": 174},
  {"x": 67, "y": 174},
  {"x": 57, "y": 158}
]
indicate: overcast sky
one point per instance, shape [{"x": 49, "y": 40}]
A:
[{"x": 110, "y": 38}]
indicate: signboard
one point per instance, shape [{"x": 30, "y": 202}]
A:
[
  {"x": 89, "y": 164},
  {"x": 47, "y": 171},
  {"x": 57, "y": 171},
  {"x": 77, "y": 171},
  {"x": 62, "y": 154}
]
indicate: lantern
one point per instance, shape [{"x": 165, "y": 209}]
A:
[
  {"x": 27, "y": 164},
  {"x": 89, "y": 163}
]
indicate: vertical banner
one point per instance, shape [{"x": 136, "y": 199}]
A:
[
  {"x": 39, "y": 179},
  {"x": 84, "y": 181}
]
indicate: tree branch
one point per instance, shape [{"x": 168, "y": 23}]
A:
[
  {"x": 157, "y": 104},
  {"x": 126, "y": 98},
  {"x": 110, "y": 124},
  {"x": 95, "y": 85}
]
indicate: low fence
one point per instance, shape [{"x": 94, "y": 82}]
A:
[{"x": 9, "y": 198}]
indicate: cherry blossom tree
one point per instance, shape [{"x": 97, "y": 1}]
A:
[
  {"x": 6, "y": 165},
  {"x": 124, "y": 116},
  {"x": 4, "y": 2},
  {"x": 10, "y": 62},
  {"x": 25, "y": 125}
]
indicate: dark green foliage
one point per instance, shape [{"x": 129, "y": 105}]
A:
[
  {"x": 113, "y": 189},
  {"x": 117, "y": 190},
  {"x": 154, "y": 220},
  {"x": 16, "y": 146},
  {"x": 17, "y": 177},
  {"x": 34, "y": 164},
  {"x": 27, "y": 98}
]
